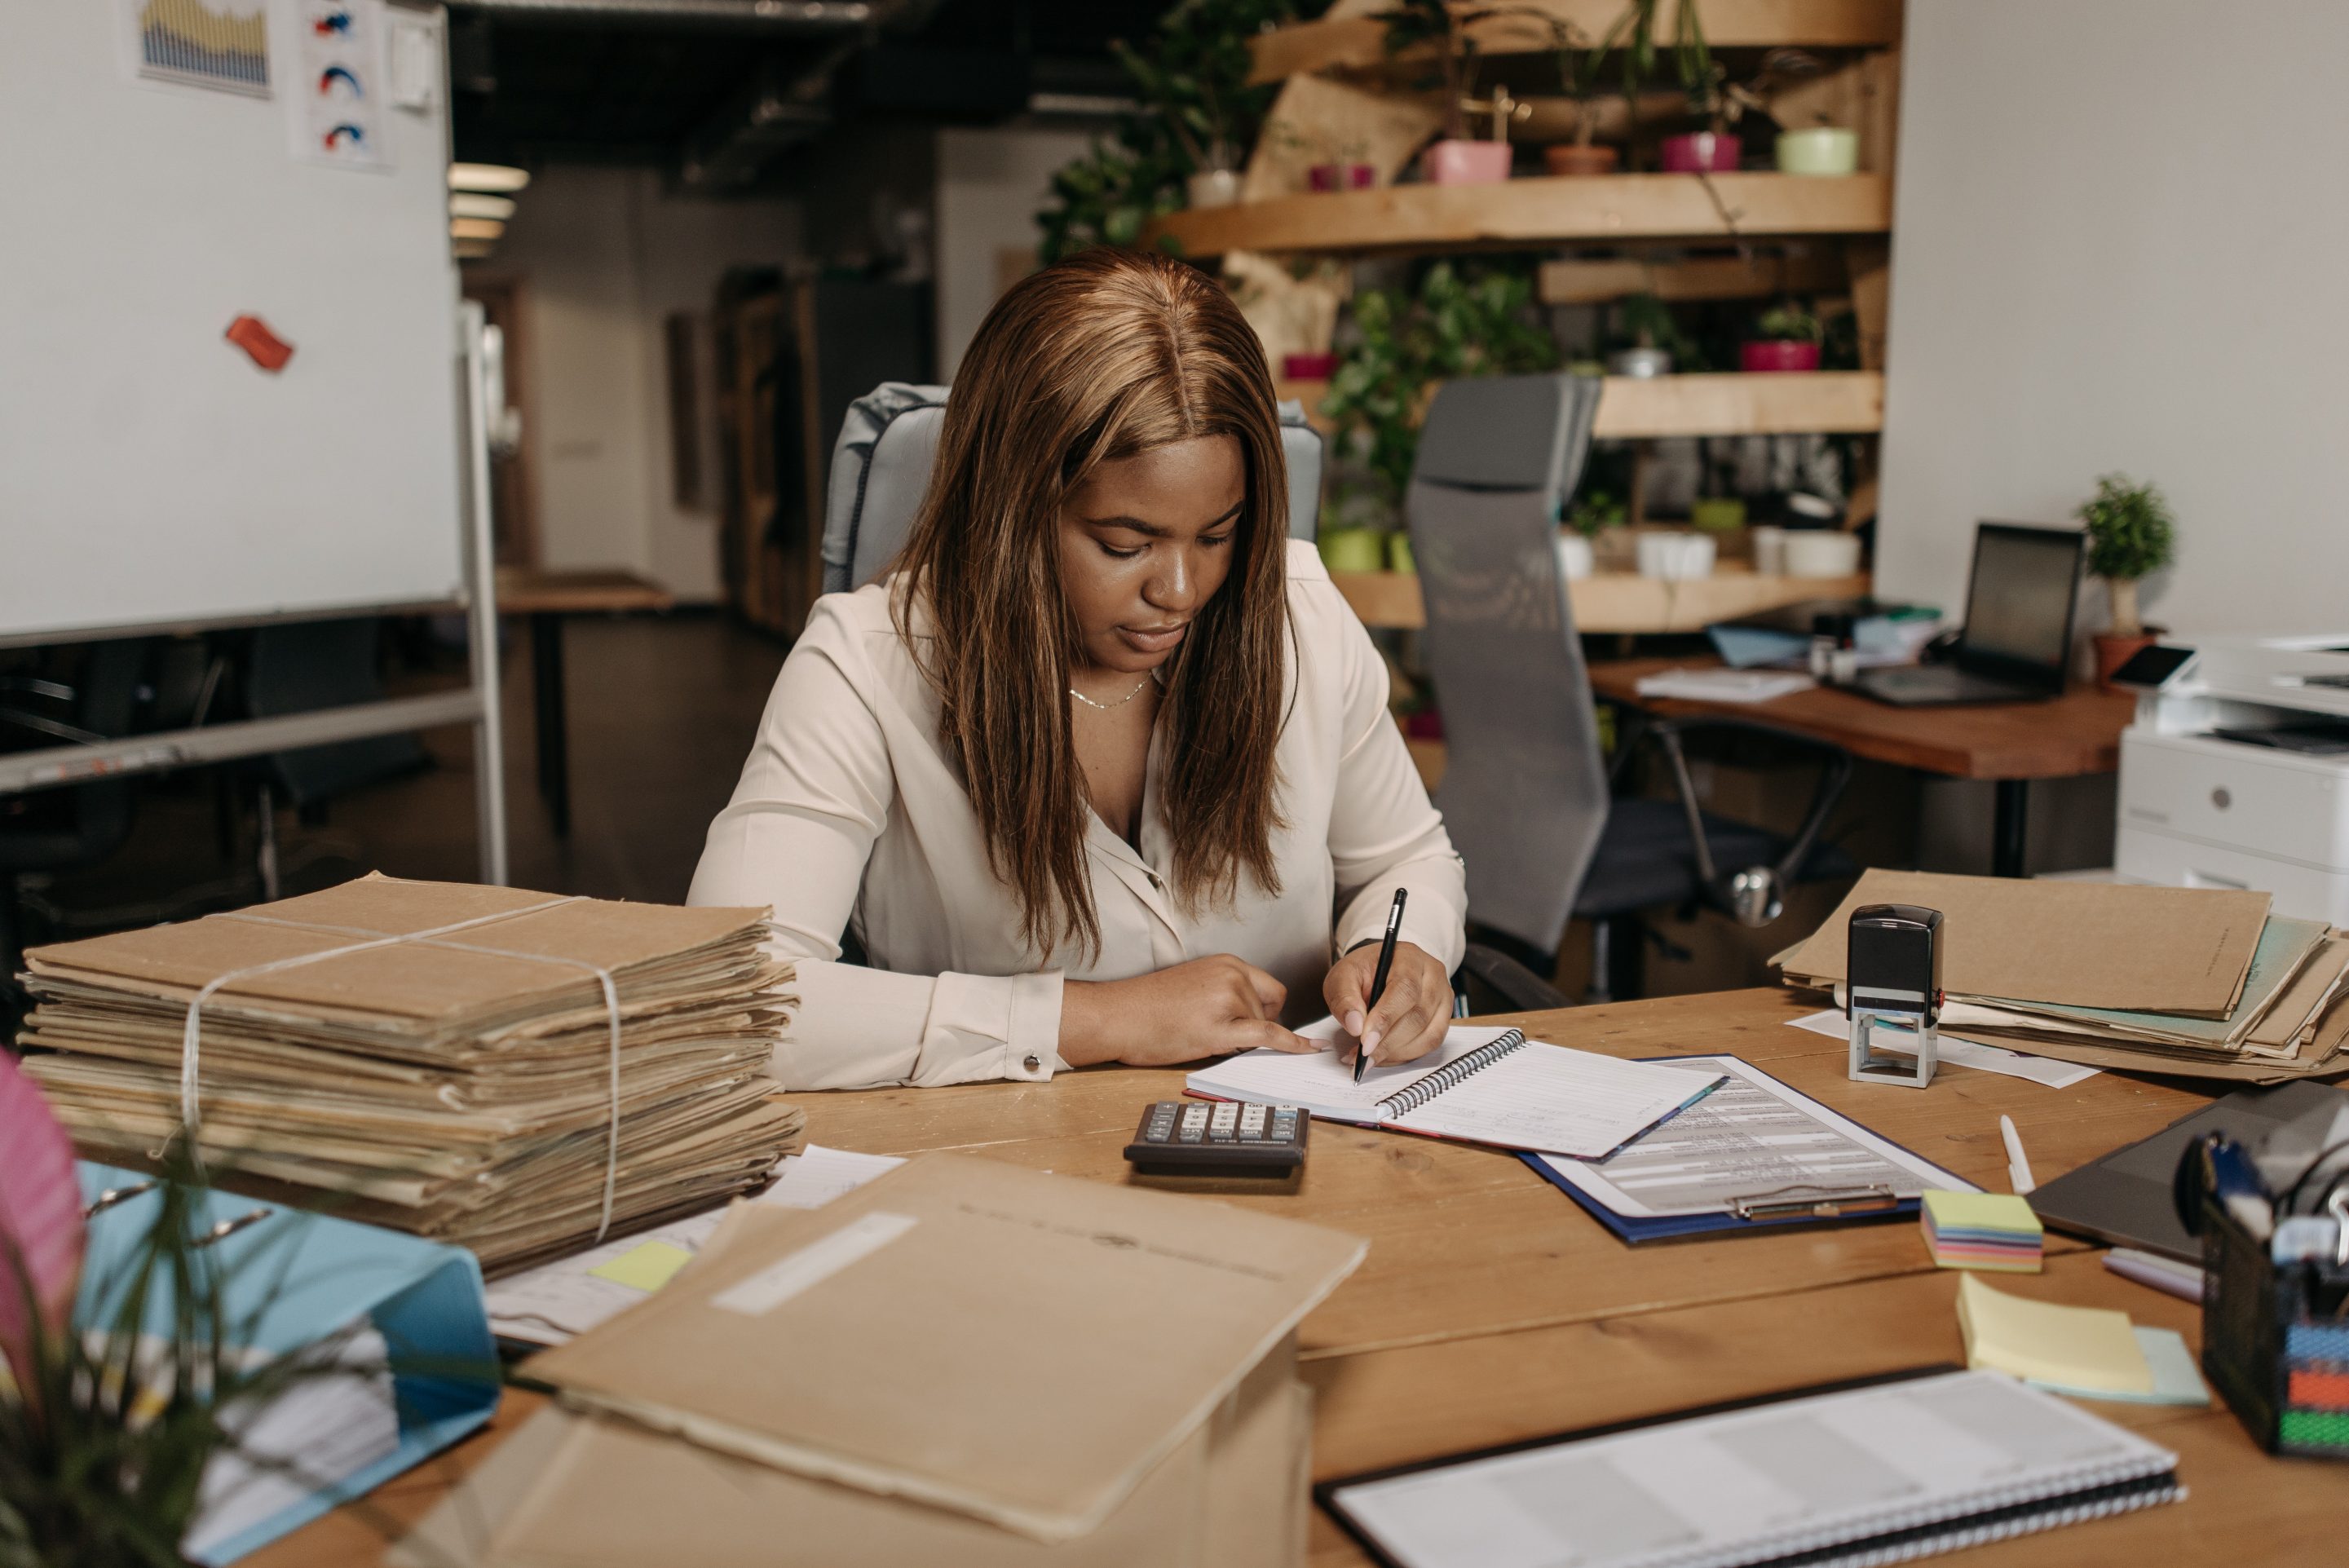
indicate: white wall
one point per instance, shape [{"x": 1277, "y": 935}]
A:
[
  {"x": 990, "y": 183},
  {"x": 2120, "y": 235},
  {"x": 604, "y": 255}
]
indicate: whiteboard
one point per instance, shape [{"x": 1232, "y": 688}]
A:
[{"x": 149, "y": 473}]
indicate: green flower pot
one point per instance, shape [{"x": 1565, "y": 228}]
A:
[
  {"x": 1719, "y": 513},
  {"x": 1354, "y": 550},
  {"x": 1399, "y": 553}
]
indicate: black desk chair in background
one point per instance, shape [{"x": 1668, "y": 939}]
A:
[{"x": 1526, "y": 793}]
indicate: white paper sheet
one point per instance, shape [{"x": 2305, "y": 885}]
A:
[
  {"x": 554, "y": 1302},
  {"x": 1964, "y": 1053},
  {"x": 1750, "y": 1136}
]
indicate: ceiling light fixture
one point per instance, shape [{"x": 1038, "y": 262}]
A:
[
  {"x": 494, "y": 177},
  {"x": 471, "y": 204}
]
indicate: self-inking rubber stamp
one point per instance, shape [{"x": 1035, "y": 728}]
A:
[{"x": 1895, "y": 983}]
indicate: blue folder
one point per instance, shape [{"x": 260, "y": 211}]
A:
[{"x": 295, "y": 1278}]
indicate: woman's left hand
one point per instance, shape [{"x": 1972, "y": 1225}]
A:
[{"x": 1414, "y": 1013}]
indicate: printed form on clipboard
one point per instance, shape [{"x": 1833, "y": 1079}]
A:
[
  {"x": 1754, "y": 1150},
  {"x": 1482, "y": 1086}
]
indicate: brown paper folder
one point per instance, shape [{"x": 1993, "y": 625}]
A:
[
  {"x": 2079, "y": 944},
  {"x": 572, "y": 1490},
  {"x": 1018, "y": 1347}
]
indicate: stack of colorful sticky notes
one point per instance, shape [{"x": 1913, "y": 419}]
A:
[
  {"x": 2091, "y": 1353},
  {"x": 1982, "y": 1230}
]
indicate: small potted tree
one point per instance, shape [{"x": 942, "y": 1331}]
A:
[
  {"x": 1577, "y": 70},
  {"x": 1787, "y": 338},
  {"x": 2131, "y": 535}
]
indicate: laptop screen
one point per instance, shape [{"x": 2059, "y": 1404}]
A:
[{"x": 2018, "y": 609}]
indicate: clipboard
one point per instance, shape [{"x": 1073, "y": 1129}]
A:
[
  {"x": 313, "y": 1276},
  {"x": 1776, "y": 1208}
]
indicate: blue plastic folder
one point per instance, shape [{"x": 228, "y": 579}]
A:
[{"x": 295, "y": 1278}]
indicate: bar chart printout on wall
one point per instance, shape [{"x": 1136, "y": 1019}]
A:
[{"x": 223, "y": 44}]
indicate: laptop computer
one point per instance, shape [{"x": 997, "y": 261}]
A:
[{"x": 2017, "y": 642}]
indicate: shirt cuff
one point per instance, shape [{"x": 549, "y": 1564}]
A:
[{"x": 987, "y": 1027}]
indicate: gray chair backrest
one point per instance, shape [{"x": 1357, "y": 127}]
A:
[
  {"x": 881, "y": 466},
  {"x": 1524, "y": 788}
]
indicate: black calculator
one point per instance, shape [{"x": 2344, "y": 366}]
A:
[{"x": 1201, "y": 1137}]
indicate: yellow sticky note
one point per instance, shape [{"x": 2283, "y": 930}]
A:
[
  {"x": 2091, "y": 1349},
  {"x": 645, "y": 1268}
]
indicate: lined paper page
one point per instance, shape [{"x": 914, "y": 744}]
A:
[
  {"x": 1557, "y": 1101},
  {"x": 1322, "y": 1082}
]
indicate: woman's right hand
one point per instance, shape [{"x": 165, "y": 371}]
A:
[{"x": 1208, "y": 1007}]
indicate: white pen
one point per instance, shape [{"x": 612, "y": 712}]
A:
[{"x": 2018, "y": 1164}]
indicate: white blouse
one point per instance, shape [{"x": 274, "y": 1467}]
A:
[{"x": 849, "y": 812}]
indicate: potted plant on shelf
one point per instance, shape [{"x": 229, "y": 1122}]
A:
[
  {"x": 2131, "y": 535},
  {"x": 1787, "y": 338},
  {"x": 1594, "y": 512},
  {"x": 1456, "y": 158},
  {"x": 1648, "y": 339},
  {"x": 1577, "y": 69}
]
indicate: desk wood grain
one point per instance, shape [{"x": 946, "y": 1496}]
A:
[
  {"x": 2076, "y": 734},
  {"x": 1490, "y": 1308}
]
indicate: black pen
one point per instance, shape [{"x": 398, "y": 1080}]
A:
[{"x": 1378, "y": 980}]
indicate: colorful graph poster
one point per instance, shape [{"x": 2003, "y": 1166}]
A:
[
  {"x": 223, "y": 44},
  {"x": 338, "y": 90}
]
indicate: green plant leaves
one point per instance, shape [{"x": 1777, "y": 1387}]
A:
[{"x": 2132, "y": 533}]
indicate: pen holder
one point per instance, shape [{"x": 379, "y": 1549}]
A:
[{"x": 2276, "y": 1343}]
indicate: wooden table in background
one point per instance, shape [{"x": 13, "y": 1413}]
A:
[
  {"x": 2013, "y": 743},
  {"x": 1492, "y": 1309},
  {"x": 546, "y": 597}
]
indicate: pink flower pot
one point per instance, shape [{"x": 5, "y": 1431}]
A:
[
  {"x": 1778, "y": 355},
  {"x": 1452, "y": 162},
  {"x": 1699, "y": 152},
  {"x": 1341, "y": 176},
  {"x": 1308, "y": 367}
]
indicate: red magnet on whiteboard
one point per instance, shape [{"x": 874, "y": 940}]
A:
[{"x": 252, "y": 334}]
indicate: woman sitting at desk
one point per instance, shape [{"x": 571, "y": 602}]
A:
[{"x": 1102, "y": 769}]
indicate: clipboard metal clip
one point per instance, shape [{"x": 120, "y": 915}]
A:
[{"x": 1814, "y": 1202}]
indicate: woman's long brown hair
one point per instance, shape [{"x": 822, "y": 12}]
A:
[{"x": 1103, "y": 356}]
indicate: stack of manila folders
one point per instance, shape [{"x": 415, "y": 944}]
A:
[
  {"x": 2201, "y": 981},
  {"x": 515, "y": 1073},
  {"x": 870, "y": 1382}
]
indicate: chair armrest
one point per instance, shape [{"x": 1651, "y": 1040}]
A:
[{"x": 1513, "y": 983}]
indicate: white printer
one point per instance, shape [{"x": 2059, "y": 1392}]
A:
[{"x": 2236, "y": 770}]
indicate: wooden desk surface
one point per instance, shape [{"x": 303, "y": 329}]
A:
[
  {"x": 2078, "y": 732},
  {"x": 1490, "y": 1308},
  {"x": 587, "y": 590}
]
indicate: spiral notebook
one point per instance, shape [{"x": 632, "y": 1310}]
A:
[
  {"x": 1483, "y": 1085},
  {"x": 1886, "y": 1471}
]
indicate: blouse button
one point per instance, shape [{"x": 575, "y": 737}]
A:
[{"x": 1031, "y": 1063}]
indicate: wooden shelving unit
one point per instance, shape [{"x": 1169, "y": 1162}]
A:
[
  {"x": 1521, "y": 213},
  {"x": 1830, "y": 403},
  {"x": 1615, "y": 601},
  {"x": 1359, "y": 43}
]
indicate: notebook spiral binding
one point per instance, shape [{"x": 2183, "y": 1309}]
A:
[
  {"x": 1905, "y": 1535},
  {"x": 1404, "y": 1101}
]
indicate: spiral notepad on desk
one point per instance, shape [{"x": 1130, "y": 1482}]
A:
[{"x": 1482, "y": 1086}]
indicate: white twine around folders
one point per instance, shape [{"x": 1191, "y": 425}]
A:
[{"x": 432, "y": 937}]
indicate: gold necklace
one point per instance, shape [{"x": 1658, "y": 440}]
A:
[{"x": 1121, "y": 702}]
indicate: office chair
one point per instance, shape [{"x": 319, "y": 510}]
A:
[
  {"x": 880, "y": 468},
  {"x": 1526, "y": 795},
  {"x": 62, "y": 830}
]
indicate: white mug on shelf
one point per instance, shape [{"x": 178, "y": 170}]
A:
[
  {"x": 1575, "y": 558},
  {"x": 1813, "y": 552},
  {"x": 1769, "y": 550},
  {"x": 1675, "y": 557}
]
